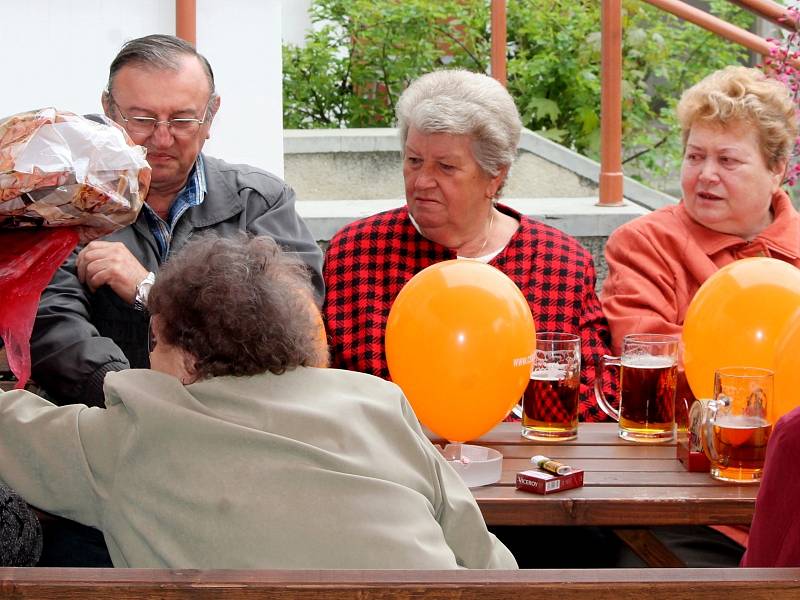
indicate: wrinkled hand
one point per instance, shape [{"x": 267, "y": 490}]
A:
[{"x": 112, "y": 264}]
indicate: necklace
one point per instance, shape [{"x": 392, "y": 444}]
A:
[{"x": 488, "y": 233}]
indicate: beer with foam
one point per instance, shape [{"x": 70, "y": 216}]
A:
[{"x": 647, "y": 386}]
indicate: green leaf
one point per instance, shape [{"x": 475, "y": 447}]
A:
[
  {"x": 589, "y": 118},
  {"x": 557, "y": 135},
  {"x": 543, "y": 108}
]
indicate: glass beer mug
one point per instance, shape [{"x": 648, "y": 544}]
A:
[
  {"x": 550, "y": 402},
  {"x": 648, "y": 378},
  {"x": 735, "y": 428}
]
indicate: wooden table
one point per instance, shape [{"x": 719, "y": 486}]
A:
[
  {"x": 625, "y": 483},
  {"x": 627, "y": 486}
]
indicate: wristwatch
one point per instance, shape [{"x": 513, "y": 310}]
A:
[{"x": 142, "y": 291}]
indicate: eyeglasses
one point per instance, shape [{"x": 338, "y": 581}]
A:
[
  {"x": 151, "y": 337},
  {"x": 145, "y": 126}
]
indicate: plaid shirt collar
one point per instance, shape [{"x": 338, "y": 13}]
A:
[{"x": 192, "y": 194}]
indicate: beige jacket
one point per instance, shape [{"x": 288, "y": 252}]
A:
[{"x": 314, "y": 469}]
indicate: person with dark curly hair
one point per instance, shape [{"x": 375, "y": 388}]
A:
[{"x": 236, "y": 449}]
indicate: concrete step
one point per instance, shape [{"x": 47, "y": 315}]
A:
[{"x": 365, "y": 164}]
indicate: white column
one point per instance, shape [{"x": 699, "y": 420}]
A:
[{"x": 57, "y": 53}]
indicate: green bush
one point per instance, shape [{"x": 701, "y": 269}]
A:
[
  {"x": 362, "y": 54},
  {"x": 365, "y": 52}
]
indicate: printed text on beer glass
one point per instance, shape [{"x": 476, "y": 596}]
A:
[{"x": 550, "y": 402}]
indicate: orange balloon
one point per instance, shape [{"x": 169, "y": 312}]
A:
[
  {"x": 737, "y": 317},
  {"x": 787, "y": 371},
  {"x": 459, "y": 342}
]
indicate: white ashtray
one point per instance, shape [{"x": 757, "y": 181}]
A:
[{"x": 476, "y": 465}]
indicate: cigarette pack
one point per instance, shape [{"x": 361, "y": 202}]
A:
[
  {"x": 692, "y": 460},
  {"x": 542, "y": 482}
]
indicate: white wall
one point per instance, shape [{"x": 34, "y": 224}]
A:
[
  {"x": 57, "y": 53},
  {"x": 295, "y": 21},
  {"x": 242, "y": 40}
]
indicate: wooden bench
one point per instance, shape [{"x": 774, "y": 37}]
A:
[{"x": 578, "y": 584}]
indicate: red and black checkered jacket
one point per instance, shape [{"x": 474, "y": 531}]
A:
[{"x": 369, "y": 261}]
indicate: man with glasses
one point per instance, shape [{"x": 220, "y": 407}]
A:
[{"x": 93, "y": 316}]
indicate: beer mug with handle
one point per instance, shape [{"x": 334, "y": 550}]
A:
[
  {"x": 735, "y": 428},
  {"x": 648, "y": 377}
]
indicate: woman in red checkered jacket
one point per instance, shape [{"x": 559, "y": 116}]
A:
[{"x": 459, "y": 133}]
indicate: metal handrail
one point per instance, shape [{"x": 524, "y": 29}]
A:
[
  {"x": 611, "y": 176},
  {"x": 499, "y": 41},
  {"x": 186, "y": 20},
  {"x": 772, "y": 11},
  {"x": 611, "y": 76},
  {"x": 714, "y": 24}
]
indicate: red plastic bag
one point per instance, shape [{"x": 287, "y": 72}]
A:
[{"x": 28, "y": 260}]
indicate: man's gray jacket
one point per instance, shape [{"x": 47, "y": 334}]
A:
[{"x": 79, "y": 336}]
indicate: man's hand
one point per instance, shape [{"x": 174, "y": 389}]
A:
[{"x": 111, "y": 264}]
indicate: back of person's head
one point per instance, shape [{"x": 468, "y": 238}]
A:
[
  {"x": 238, "y": 306},
  {"x": 464, "y": 103},
  {"x": 157, "y": 51},
  {"x": 742, "y": 95}
]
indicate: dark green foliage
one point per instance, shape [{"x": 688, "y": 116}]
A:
[{"x": 365, "y": 52}]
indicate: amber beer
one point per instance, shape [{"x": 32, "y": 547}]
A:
[
  {"x": 648, "y": 376},
  {"x": 550, "y": 401},
  {"x": 647, "y": 385},
  {"x": 735, "y": 428},
  {"x": 740, "y": 442},
  {"x": 550, "y": 406}
]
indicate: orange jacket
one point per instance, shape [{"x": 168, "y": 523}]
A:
[{"x": 657, "y": 262}]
